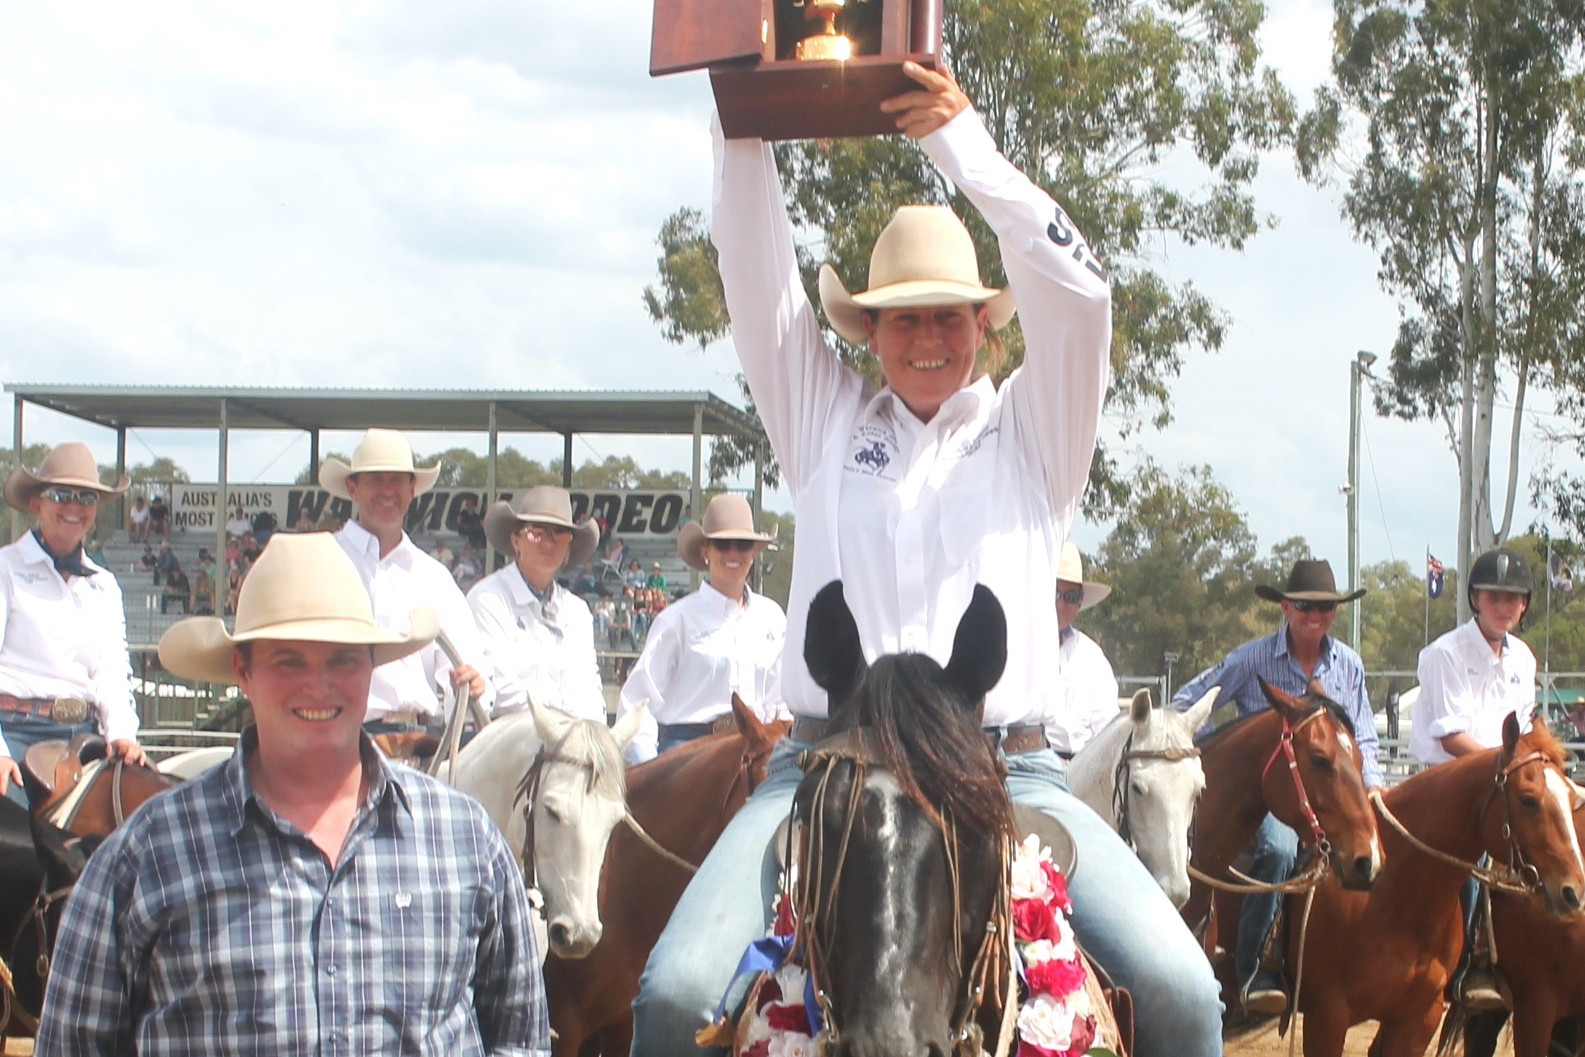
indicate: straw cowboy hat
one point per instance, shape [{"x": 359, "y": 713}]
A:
[
  {"x": 1070, "y": 570},
  {"x": 70, "y": 464},
  {"x": 380, "y": 451},
  {"x": 544, "y": 505},
  {"x": 1310, "y": 580},
  {"x": 924, "y": 256},
  {"x": 728, "y": 517},
  {"x": 304, "y": 589}
]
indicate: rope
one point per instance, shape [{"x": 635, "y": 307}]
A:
[
  {"x": 1298, "y": 974},
  {"x": 1244, "y": 885},
  {"x": 653, "y": 845},
  {"x": 1498, "y": 877}
]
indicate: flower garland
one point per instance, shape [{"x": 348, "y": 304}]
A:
[{"x": 1056, "y": 1018}]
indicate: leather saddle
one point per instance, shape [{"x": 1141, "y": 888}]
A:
[{"x": 54, "y": 767}]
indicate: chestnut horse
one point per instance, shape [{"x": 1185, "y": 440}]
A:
[
  {"x": 1387, "y": 955},
  {"x": 77, "y": 787},
  {"x": 682, "y": 799},
  {"x": 1544, "y": 964},
  {"x": 1298, "y": 761}
]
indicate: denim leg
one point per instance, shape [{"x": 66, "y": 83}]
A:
[
  {"x": 1276, "y": 852},
  {"x": 725, "y": 908},
  {"x": 23, "y": 732},
  {"x": 668, "y": 741},
  {"x": 1126, "y": 921}
]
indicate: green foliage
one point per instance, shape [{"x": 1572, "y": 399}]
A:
[{"x": 1089, "y": 97}]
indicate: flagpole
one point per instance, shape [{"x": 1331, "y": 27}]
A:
[
  {"x": 1427, "y": 638},
  {"x": 1546, "y": 650}
]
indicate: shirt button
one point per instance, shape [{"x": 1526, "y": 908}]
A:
[{"x": 331, "y": 969}]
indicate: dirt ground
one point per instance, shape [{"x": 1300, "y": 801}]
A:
[{"x": 1267, "y": 1043}]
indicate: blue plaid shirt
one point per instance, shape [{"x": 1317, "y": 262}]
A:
[
  {"x": 207, "y": 925},
  {"x": 1339, "y": 669}
]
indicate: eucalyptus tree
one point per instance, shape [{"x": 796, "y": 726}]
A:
[
  {"x": 1456, "y": 124},
  {"x": 1145, "y": 119}
]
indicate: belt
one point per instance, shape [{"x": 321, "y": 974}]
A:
[
  {"x": 1019, "y": 737},
  {"x": 724, "y": 724},
  {"x": 68, "y": 711}
]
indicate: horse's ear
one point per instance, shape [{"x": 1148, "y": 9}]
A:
[
  {"x": 550, "y": 724},
  {"x": 1288, "y": 705},
  {"x": 831, "y": 644},
  {"x": 1510, "y": 734},
  {"x": 1139, "y": 708},
  {"x": 628, "y": 726},
  {"x": 979, "y": 650},
  {"x": 1195, "y": 716}
]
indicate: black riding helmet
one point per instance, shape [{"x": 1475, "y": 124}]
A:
[{"x": 1501, "y": 569}]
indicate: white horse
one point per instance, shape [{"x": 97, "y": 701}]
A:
[
  {"x": 1142, "y": 774},
  {"x": 556, "y": 786}
]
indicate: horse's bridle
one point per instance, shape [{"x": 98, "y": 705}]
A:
[
  {"x": 38, "y": 919},
  {"x": 1284, "y": 748},
  {"x": 528, "y": 793},
  {"x": 1122, "y": 798},
  {"x": 813, "y": 903}
]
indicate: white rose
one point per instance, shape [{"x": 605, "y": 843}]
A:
[
  {"x": 1047, "y": 1023},
  {"x": 1029, "y": 880},
  {"x": 787, "y": 1044}
]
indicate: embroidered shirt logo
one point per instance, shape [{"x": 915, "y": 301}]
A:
[
  {"x": 873, "y": 456},
  {"x": 871, "y": 450}
]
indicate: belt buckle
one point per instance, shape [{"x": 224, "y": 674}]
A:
[{"x": 69, "y": 711}]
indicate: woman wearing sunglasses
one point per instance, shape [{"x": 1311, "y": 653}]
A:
[
  {"x": 721, "y": 640},
  {"x": 540, "y": 635},
  {"x": 1289, "y": 658},
  {"x": 64, "y": 666}
]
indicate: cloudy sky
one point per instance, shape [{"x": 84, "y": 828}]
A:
[{"x": 398, "y": 193}]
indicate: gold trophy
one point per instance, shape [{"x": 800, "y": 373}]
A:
[{"x": 826, "y": 42}]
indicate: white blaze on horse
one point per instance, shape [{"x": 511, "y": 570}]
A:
[
  {"x": 557, "y": 787},
  {"x": 1142, "y": 774}
]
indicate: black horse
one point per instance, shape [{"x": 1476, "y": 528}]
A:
[{"x": 905, "y": 830}]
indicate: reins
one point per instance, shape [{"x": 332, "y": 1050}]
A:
[{"x": 744, "y": 776}]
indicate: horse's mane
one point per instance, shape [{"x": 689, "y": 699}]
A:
[
  {"x": 1227, "y": 729},
  {"x": 1541, "y": 733},
  {"x": 586, "y": 739},
  {"x": 930, "y": 743}
]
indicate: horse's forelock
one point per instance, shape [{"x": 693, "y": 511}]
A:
[{"x": 585, "y": 739}]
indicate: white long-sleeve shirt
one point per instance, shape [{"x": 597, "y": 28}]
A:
[
  {"x": 985, "y": 491},
  {"x": 544, "y": 657},
  {"x": 64, "y": 637},
  {"x": 1465, "y": 687},
  {"x": 1091, "y": 692},
  {"x": 404, "y": 580},
  {"x": 701, "y": 650}
]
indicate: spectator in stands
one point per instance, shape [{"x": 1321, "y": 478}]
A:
[
  {"x": 95, "y": 550},
  {"x": 443, "y": 555},
  {"x": 603, "y": 611},
  {"x": 238, "y": 524},
  {"x": 328, "y": 521},
  {"x": 138, "y": 520},
  {"x": 64, "y": 665},
  {"x": 541, "y": 635},
  {"x": 203, "y": 599},
  {"x": 615, "y": 556},
  {"x": 159, "y": 518},
  {"x": 264, "y": 526},
  {"x": 250, "y": 546},
  {"x": 149, "y": 559},
  {"x": 164, "y": 563},
  {"x": 586, "y": 583},
  {"x": 206, "y": 562},
  {"x": 178, "y": 590},
  {"x": 235, "y": 573},
  {"x": 469, "y": 524},
  {"x": 657, "y": 582},
  {"x": 304, "y": 523},
  {"x": 721, "y": 640},
  {"x": 233, "y": 550},
  {"x": 634, "y": 577},
  {"x": 382, "y": 481},
  {"x": 468, "y": 569}
]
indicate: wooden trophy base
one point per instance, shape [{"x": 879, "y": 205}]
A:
[{"x": 811, "y": 99}]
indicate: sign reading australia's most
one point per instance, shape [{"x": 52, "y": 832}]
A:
[{"x": 197, "y": 507}]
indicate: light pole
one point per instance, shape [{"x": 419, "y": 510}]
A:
[
  {"x": 1171, "y": 659},
  {"x": 1358, "y": 369}
]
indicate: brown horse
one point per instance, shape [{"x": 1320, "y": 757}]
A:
[
  {"x": 1544, "y": 964},
  {"x": 1298, "y": 761},
  {"x": 683, "y": 799},
  {"x": 79, "y": 788},
  {"x": 1387, "y": 955}
]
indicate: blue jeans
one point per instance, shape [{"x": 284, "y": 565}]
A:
[
  {"x": 22, "y": 732},
  {"x": 1120, "y": 913},
  {"x": 1276, "y": 852}
]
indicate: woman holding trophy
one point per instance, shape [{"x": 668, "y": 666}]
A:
[{"x": 912, "y": 493}]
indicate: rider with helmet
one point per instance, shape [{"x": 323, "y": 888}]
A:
[{"x": 1471, "y": 678}]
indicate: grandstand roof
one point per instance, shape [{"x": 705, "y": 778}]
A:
[{"x": 464, "y": 410}]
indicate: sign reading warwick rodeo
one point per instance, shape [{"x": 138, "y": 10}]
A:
[{"x": 195, "y": 507}]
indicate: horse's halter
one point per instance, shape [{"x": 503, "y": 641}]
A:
[
  {"x": 528, "y": 793},
  {"x": 814, "y": 903},
  {"x": 1122, "y": 795},
  {"x": 1520, "y": 872},
  {"x": 1284, "y": 748}
]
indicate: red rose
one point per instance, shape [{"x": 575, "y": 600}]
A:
[
  {"x": 759, "y": 1049},
  {"x": 1033, "y": 920},
  {"x": 1083, "y": 1035},
  {"x": 1029, "y": 1049},
  {"x": 1055, "y": 977},
  {"x": 769, "y": 991},
  {"x": 1059, "y": 887},
  {"x": 789, "y": 1018},
  {"x": 785, "y": 921}
]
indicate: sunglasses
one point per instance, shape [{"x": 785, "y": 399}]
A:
[
  {"x": 80, "y": 496},
  {"x": 733, "y": 545},
  {"x": 540, "y": 533},
  {"x": 1073, "y": 596},
  {"x": 1314, "y": 607}
]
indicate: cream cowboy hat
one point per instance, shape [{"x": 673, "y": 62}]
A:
[
  {"x": 544, "y": 505},
  {"x": 380, "y": 451},
  {"x": 728, "y": 517},
  {"x": 70, "y": 464},
  {"x": 924, "y": 256},
  {"x": 303, "y": 588},
  {"x": 1070, "y": 570}
]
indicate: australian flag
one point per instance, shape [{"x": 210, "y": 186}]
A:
[{"x": 1433, "y": 576}]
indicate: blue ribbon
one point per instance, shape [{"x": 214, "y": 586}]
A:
[{"x": 766, "y": 956}]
